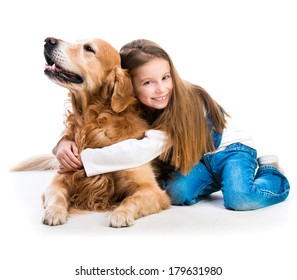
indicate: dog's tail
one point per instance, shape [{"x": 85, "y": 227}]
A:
[{"x": 43, "y": 162}]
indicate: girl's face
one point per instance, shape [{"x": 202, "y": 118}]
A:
[{"x": 153, "y": 83}]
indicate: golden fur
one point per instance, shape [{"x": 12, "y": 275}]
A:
[{"x": 104, "y": 111}]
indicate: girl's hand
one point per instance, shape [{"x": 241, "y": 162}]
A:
[{"x": 67, "y": 154}]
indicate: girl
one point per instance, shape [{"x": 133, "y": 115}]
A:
[{"x": 192, "y": 133}]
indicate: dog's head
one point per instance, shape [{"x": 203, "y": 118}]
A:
[{"x": 89, "y": 68}]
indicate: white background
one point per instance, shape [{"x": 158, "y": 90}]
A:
[{"x": 244, "y": 53}]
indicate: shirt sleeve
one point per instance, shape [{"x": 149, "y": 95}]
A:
[{"x": 126, "y": 154}]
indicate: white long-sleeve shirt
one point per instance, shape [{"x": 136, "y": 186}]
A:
[
  {"x": 127, "y": 154},
  {"x": 132, "y": 153}
]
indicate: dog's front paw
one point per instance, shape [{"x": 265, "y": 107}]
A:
[
  {"x": 55, "y": 215},
  {"x": 120, "y": 218}
]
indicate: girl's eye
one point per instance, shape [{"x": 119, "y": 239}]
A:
[
  {"x": 147, "y": 83},
  {"x": 88, "y": 48},
  {"x": 166, "y": 77}
]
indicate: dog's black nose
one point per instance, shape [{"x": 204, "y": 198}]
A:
[{"x": 51, "y": 41}]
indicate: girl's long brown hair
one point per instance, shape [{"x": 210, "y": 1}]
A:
[{"x": 185, "y": 117}]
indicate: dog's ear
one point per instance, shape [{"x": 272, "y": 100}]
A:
[{"x": 123, "y": 93}]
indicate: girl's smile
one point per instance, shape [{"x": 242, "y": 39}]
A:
[{"x": 161, "y": 98}]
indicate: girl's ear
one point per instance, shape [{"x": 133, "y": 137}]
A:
[{"x": 123, "y": 93}]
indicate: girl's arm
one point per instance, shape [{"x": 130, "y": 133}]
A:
[{"x": 126, "y": 154}]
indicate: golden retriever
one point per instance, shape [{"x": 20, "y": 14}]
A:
[{"x": 104, "y": 111}]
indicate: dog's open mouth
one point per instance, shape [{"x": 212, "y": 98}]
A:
[{"x": 55, "y": 71}]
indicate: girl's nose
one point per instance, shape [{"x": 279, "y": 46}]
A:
[{"x": 160, "y": 88}]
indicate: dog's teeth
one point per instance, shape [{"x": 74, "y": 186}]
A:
[{"x": 53, "y": 67}]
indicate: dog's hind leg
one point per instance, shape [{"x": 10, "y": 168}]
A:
[{"x": 55, "y": 202}]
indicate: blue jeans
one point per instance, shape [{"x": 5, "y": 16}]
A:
[{"x": 234, "y": 172}]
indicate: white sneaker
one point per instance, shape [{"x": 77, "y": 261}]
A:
[{"x": 270, "y": 160}]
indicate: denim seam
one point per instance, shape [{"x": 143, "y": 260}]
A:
[
  {"x": 263, "y": 168},
  {"x": 271, "y": 194}
]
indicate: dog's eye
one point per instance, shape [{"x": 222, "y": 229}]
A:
[{"x": 88, "y": 48}]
